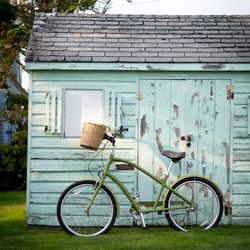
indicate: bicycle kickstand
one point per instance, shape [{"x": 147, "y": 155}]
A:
[{"x": 143, "y": 221}]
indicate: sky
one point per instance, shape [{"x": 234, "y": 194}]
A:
[{"x": 181, "y": 7}]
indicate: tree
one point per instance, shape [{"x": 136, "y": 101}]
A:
[
  {"x": 13, "y": 157},
  {"x": 15, "y": 29},
  {"x": 16, "y": 24}
]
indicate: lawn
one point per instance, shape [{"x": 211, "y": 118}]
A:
[{"x": 15, "y": 235}]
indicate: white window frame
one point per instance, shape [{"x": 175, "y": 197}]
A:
[{"x": 82, "y": 97}]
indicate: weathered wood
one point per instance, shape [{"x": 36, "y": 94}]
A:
[
  {"x": 239, "y": 177},
  {"x": 240, "y": 121},
  {"x": 38, "y": 209},
  {"x": 55, "y": 162},
  {"x": 241, "y": 166},
  {"x": 241, "y": 200},
  {"x": 124, "y": 176},
  {"x": 52, "y": 198},
  {"x": 241, "y": 98},
  {"x": 51, "y": 220},
  {"x": 132, "y": 67},
  {"x": 241, "y": 188},
  {"x": 248, "y": 114},
  {"x": 242, "y": 155},
  {"x": 50, "y": 153},
  {"x": 240, "y": 132},
  {"x": 241, "y": 211},
  {"x": 240, "y": 220},
  {"x": 241, "y": 110},
  {"x": 56, "y": 142},
  {"x": 58, "y": 187},
  {"x": 146, "y": 137}
]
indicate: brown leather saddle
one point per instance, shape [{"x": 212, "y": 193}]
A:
[{"x": 174, "y": 156}]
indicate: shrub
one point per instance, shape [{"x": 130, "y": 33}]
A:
[
  {"x": 13, "y": 157},
  {"x": 13, "y": 162}
]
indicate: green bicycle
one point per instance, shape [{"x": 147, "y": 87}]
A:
[{"x": 90, "y": 207}]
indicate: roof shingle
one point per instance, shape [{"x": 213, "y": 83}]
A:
[{"x": 139, "y": 38}]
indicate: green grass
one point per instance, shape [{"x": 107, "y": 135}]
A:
[{"x": 15, "y": 235}]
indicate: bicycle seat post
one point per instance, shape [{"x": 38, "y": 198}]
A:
[{"x": 169, "y": 168}]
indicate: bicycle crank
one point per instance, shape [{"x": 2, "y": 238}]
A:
[{"x": 137, "y": 216}]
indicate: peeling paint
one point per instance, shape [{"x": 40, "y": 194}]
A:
[
  {"x": 157, "y": 139},
  {"x": 190, "y": 164},
  {"x": 176, "y": 111},
  {"x": 203, "y": 157},
  {"x": 204, "y": 190},
  {"x": 205, "y": 107},
  {"x": 159, "y": 172},
  {"x": 216, "y": 114},
  {"x": 204, "y": 170},
  {"x": 227, "y": 149},
  {"x": 227, "y": 195},
  {"x": 193, "y": 96},
  {"x": 213, "y": 66},
  {"x": 228, "y": 208},
  {"x": 211, "y": 91},
  {"x": 143, "y": 126},
  {"x": 149, "y": 67},
  {"x": 193, "y": 155},
  {"x": 177, "y": 132}
]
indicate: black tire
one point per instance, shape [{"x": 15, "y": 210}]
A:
[
  {"x": 208, "y": 201},
  {"x": 73, "y": 217}
]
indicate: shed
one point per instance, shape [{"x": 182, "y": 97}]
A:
[{"x": 168, "y": 79}]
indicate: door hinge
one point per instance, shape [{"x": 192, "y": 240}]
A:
[
  {"x": 139, "y": 96},
  {"x": 230, "y": 92}
]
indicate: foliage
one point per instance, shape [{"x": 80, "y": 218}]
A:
[
  {"x": 16, "y": 111},
  {"x": 13, "y": 162},
  {"x": 16, "y": 24},
  {"x": 15, "y": 29},
  {"x": 13, "y": 157},
  {"x": 8, "y": 11}
]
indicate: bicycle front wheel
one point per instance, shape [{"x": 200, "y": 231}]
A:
[
  {"x": 207, "y": 208},
  {"x": 73, "y": 216}
]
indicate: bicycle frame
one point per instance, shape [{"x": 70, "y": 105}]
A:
[{"x": 135, "y": 205}]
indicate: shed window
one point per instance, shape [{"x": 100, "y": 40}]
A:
[{"x": 82, "y": 106}]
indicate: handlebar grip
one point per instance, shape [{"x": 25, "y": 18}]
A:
[{"x": 122, "y": 129}]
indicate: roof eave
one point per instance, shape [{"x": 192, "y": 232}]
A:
[{"x": 31, "y": 66}]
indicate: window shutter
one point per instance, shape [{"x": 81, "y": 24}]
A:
[{"x": 53, "y": 112}]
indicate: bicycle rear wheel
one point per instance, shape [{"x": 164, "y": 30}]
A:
[
  {"x": 207, "y": 207},
  {"x": 73, "y": 216}
]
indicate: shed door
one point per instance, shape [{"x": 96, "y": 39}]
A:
[{"x": 171, "y": 112}]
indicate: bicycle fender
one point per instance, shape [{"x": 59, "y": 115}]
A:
[
  {"x": 111, "y": 191},
  {"x": 186, "y": 176}
]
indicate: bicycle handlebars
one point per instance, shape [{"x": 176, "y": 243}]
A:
[{"x": 117, "y": 132}]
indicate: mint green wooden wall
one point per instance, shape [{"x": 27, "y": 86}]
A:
[
  {"x": 241, "y": 152},
  {"x": 55, "y": 162}
]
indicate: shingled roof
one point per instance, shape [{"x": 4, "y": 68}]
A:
[{"x": 140, "y": 38}]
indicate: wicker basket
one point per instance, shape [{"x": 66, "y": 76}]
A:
[{"x": 92, "y": 135}]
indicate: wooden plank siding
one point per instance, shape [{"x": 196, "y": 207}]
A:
[
  {"x": 55, "y": 162},
  {"x": 241, "y": 154}
]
